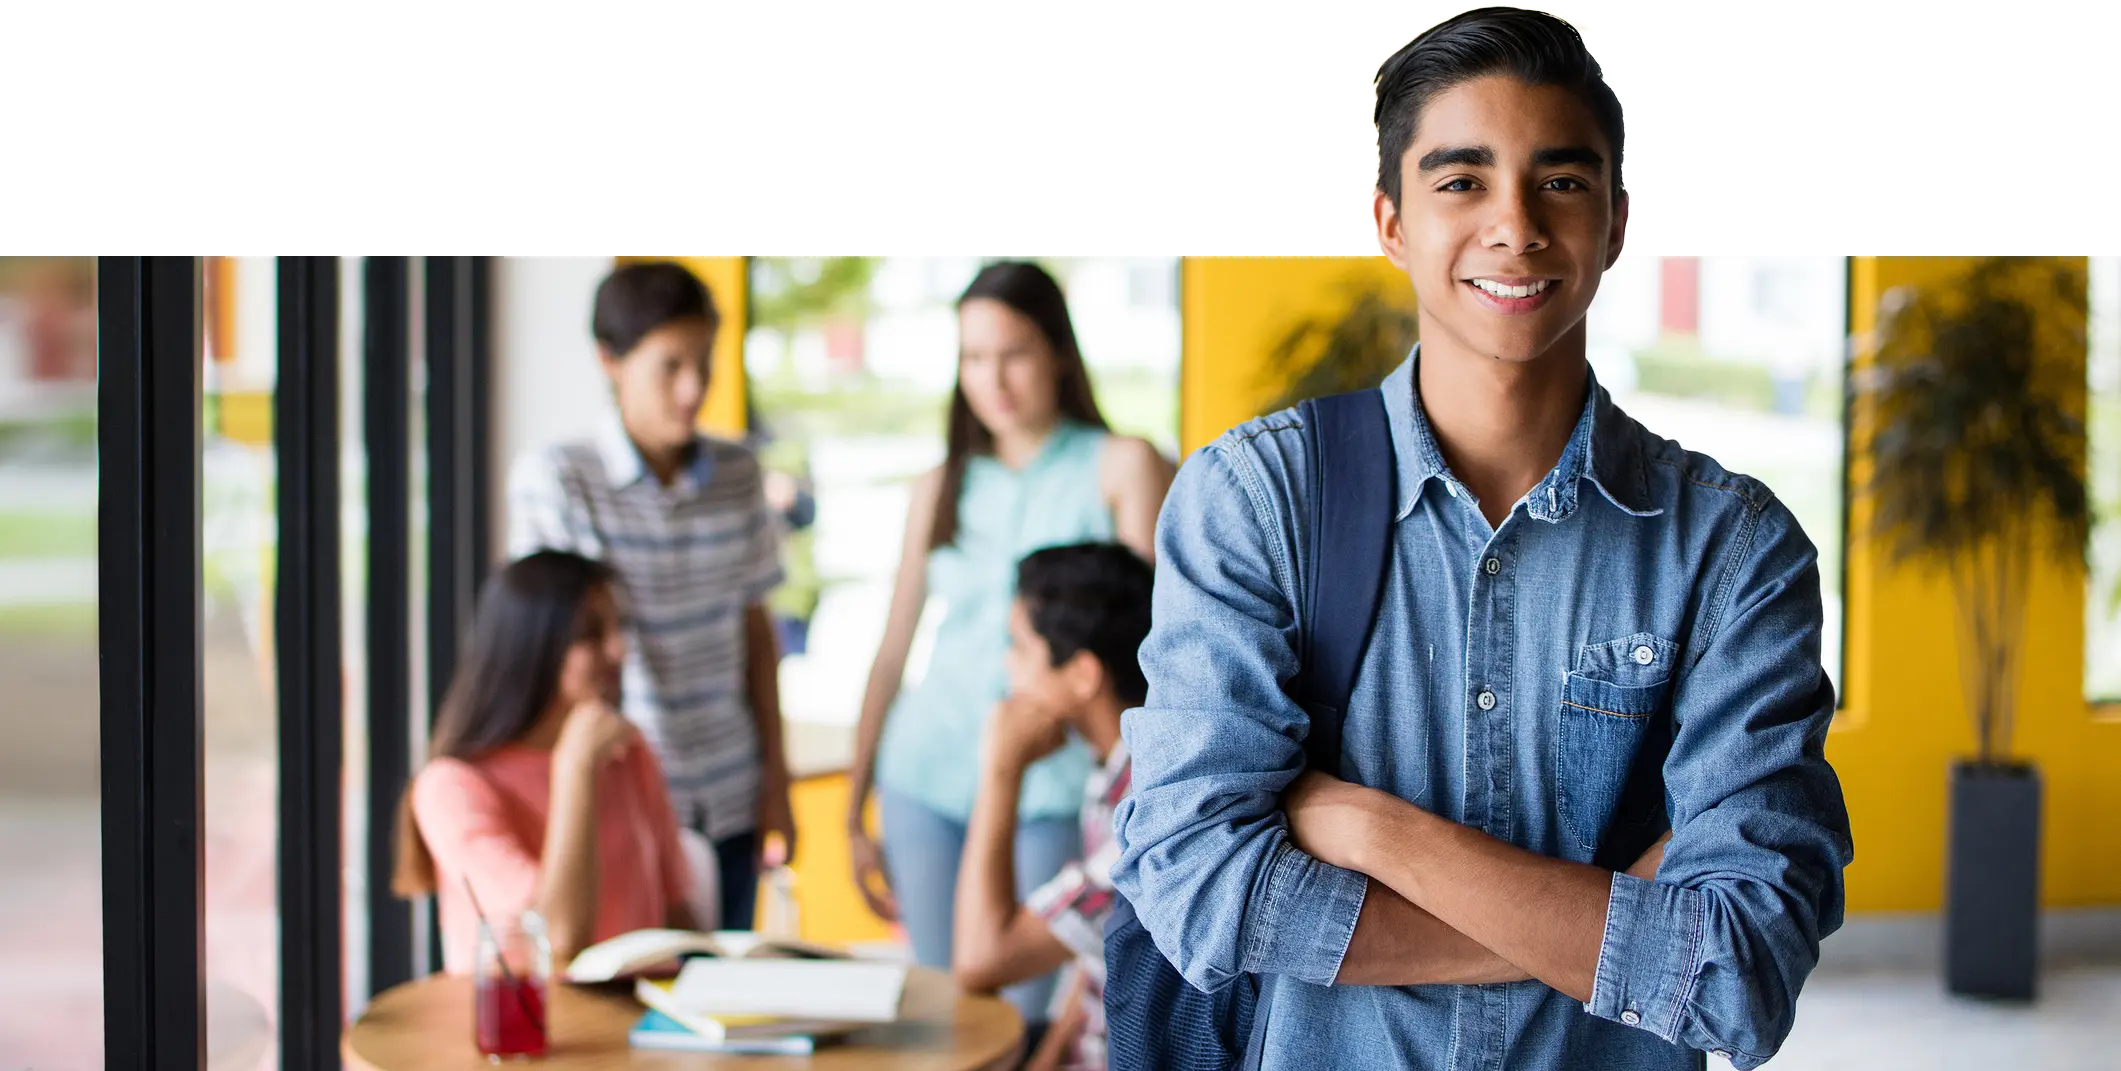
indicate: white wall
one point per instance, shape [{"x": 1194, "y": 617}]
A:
[{"x": 546, "y": 384}]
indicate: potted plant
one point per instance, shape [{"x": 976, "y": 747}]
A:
[
  {"x": 1978, "y": 472},
  {"x": 1354, "y": 348}
]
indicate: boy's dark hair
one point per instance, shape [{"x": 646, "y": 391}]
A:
[
  {"x": 1091, "y": 597},
  {"x": 1532, "y": 46},
  {"x": 638, "y": 298}
]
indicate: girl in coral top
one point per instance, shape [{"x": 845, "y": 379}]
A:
[{"x": 537, "y": 791}]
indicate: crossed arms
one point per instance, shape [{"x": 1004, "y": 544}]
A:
[{"x": 1710, "y": 954}]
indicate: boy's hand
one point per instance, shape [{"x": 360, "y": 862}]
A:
[
  {"x": 1021, "y": 732},
  {"x": 1327, "y": 816},
  {"x": 776, "y": 820}
]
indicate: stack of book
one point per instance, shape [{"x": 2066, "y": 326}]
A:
[{"x": 738, "y": 993}]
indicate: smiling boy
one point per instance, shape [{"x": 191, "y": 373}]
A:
[{"x": 1590, "y": 640}]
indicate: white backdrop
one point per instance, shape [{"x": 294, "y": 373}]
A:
[{"x": 923, "y": 127}]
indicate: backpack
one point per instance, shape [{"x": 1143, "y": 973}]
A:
[{"x": 1155, "y": 1020}]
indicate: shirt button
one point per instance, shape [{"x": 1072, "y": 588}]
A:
[
  {"x": 1486, "y": 699},
  {"x": 1644, "y": 656},
  {"x": 1493, "y": 566},
  {"x": 1630, "y": 1018}
]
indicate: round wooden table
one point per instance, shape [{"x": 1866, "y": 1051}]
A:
[{"x": 426, "y": 1026}]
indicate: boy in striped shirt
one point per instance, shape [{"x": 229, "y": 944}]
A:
[{"x": 683, "y": 519}]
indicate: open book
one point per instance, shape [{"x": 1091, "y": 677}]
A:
[{"x": 660, "y": 951}]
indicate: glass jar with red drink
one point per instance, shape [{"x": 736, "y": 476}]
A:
[{"x": 509, "y": 985}]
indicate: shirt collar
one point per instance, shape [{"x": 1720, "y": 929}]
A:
[
  {"x": 1116, "y": 760},
  {"x": 1604, "y": 447},
  {"x": 625, "y": 467}
]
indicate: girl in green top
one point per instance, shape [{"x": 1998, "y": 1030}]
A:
[{"x": 1030, "y": 464}]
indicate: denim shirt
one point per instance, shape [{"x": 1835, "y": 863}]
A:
[{"x": 1636, "y": 648}]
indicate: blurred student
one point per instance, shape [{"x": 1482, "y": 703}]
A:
[
  {"x": 537, "y": 792},
  {"x": 1029, "y": 464},
  {"x": 683, "y": 519},
  {"x": 1078, "y": 621}
]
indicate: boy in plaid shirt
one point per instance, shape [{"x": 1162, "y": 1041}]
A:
[{"x": 1080, "y": 615}]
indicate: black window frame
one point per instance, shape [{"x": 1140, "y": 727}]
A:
[{"x": 150, "y": 371}]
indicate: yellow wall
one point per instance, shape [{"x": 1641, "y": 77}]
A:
[
  {"x": 1905, "y": 721},
  {"x": 1234, "y": 309},
  {"x": 1902, "y": 725},
  {"x": 831, "y": 911}
]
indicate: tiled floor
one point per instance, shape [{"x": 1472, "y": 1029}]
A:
[{"x": 1898, "y": 1020}]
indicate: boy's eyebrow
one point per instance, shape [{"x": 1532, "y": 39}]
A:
[
  {"x": 1483, "y": 156},
  {"x": 1457, "y": 156},
  {"x": 1571, "y": 154}
]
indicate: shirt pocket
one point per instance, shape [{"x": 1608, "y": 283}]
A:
[{"x": 1610, "y": 707}]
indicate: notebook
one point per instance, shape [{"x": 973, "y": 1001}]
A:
[
  {"x": 656, "y": 994},
  {"x": 659, "y": 1031},
  {"x": 840, "y": 990}
]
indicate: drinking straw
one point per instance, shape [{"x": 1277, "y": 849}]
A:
[{"x": 501, "y": 958}]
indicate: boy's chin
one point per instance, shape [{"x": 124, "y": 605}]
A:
[{"x": 1516, "y": 346}]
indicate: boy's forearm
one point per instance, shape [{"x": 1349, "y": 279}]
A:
[
  {"x": 1397, "y": 943},
  {"x": 1545, "y": 915},
  {"x": 762, "y": 682},
  {"x": 986, "y": 875}
]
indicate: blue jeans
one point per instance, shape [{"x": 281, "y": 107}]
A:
[
  {"x": 738, "y": 860},
  {"x": 921, "y": 851}
]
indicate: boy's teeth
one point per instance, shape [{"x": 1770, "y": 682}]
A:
[{"x": 1500, "y": 290}]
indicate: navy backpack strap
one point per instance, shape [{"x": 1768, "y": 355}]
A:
[
  {"x": 1354, "y": 481},
  {"x": 1156, "y": 1020},
  {"x": 1353, "y": 487}
]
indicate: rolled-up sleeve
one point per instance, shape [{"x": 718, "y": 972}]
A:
[
  {"x": 1713, "y": 953},
  {"x": 1205, "y": 855}
]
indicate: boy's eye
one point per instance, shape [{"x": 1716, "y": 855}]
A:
[
  {"x": 1567, "y": 184},
  {"x": 1458, "y": 185}
]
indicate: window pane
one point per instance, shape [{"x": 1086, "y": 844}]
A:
[
  {"x": 2102, "y": 600},
  {"x": 353, "y": 635},
  {"x": 238, "y": 545},
  {"x": 1740, "y": 358},
  {"x": 51, "y": 895}
]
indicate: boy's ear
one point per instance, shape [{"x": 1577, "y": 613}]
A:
[
  {"x": 1085, "y": 676},
  {"x": 1391, "y": 233},
  {"x": 1617, "y": 235},
  {"x": 608, "y": 362}
]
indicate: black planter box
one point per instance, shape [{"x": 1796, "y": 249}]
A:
[{"x": 1992, "y": 891}]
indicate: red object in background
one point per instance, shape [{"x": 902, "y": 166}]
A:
[
  {"x": 1679, "y": 295},
  {"x": 510, "y": 1016},
  {"x": 58, "y": 319},
  {"x": 844, "y": 345}
]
